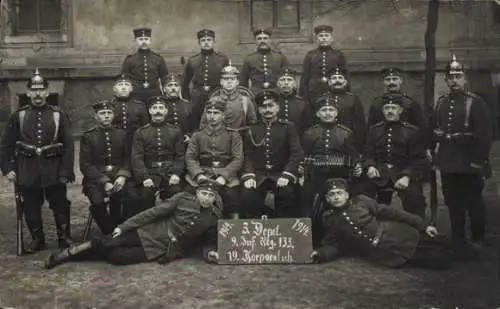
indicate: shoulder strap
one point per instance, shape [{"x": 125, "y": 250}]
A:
[
  {"x": 468, "y": 105},
  {"x": 57, "y": 117},
  {"x": 245, "y": 109},
  {"x": 22, "y": 114}
]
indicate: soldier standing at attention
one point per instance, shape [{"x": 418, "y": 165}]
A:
[
  {"x": 262, "y": 67},
  {"x": 462, "y": 135},
  {"x": 104, "y": 162},
  {"x": 37, "y": 154},
  {"x": 129, "y": 114},
  {"x": 318, "y": 63},
  {"x": 203, "y": 72},
  {"x": 146, "y": 68},
  {"x": 179, "y": 110}
]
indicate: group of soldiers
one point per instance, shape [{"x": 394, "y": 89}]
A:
[{"x": 253, "y": 142}]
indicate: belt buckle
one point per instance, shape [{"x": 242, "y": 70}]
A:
[
  {"x": 38, "y": 151},
  {"x": 216, "y": 163},
  {"x": 447, "y": 136},
  {"x": 159, "y": 164},
  {"x": 269, "y": 166},
  {"x": 206, "y": 88},
  {"x": 375, "y": 241},
  {"x": 108, "y": 168},
  {"x": 146, "y": 84},
  {"x": 389, "y": 165}
]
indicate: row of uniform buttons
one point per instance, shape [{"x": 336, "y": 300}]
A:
[
  {"x": 124, "y": 115},
  {"x": 357, "y": 231},
  {"x": 268, "y": 147},
  {"x": 39, "y": 130},
  {"x": 323, "y": 66},
  {"x": 205, "y": 74},
  {"x": 266, "y": 72}
]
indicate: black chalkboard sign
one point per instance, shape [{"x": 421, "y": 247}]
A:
[{"x": 265, "y": 241}]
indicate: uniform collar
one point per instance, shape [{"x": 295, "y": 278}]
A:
[
  {"x": 144, "y": 51},
  {"x": 325, "y": 48},
  {"x": 214, "y": 131},
  {"x": 207, "y": 52},
  {"x": 289, "y": 95},
  {"x": 229, "y": 95}
]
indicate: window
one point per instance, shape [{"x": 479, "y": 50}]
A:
[
  {"x": 37, "y": 16},
  {"x": 290, "y": 20},
  {"x": 37, "y": 21}
]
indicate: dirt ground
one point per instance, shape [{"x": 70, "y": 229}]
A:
[{"x": 191, "y": 283}]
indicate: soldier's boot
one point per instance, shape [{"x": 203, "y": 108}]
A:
[
  {"x": 63, "y": 230},
  {"x": 57, "y": 258},
  {"x": 103, "y": 220},
  {"x": 38, "y": 240},
  {"x": 34, "y": 222}
]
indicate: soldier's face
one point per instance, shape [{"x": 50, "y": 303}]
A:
[
  {"x": 229, "y": 83},
  {"x": 172, "y": 89},
  {"x": 269, "y": 109},
  {"x": 392, "y": 112},
  {"x": 143, "y": 42},
  {"x": 325, "y": 38},
  {"x": 158, "y": 112},
  {"x": 122, "y": 89},
  {"x": 327, "y": 114},
  {"x": 38, "y": 97},
  {"x": 214, "y": 117},
  {"x": 262, "y": 40},
  {"x": 205, "y": 197},
  {"x": 105, "y": 116},
  {"x": 393, "y": 83},
  {"x": 207, "y": 42},
  {"x": 337, "y": 81},
  {"x": 337, "y": 197},
  {"x": 287, "y": 84},
  {"x": 455, "y": 81}
]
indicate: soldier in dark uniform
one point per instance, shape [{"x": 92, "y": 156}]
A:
[
  {"x": 203, "y": 72},
  {"x": 318, "y": 63},
  {"x": 272, "y": 155},
  {"x": 216, "y": 152},
  {"x": 147, "y": 69},
  {"x": 104, "y": 162},
  {"x": 351, "y": 112},
  {"x": 157, "y": 158},
  {"x": 37, "y": 154},
  {"x": 413, "y": 112},
  {"x": 161, "y": 234},
  {"x": 292, "y": 107},
  {"x": 462, "y": 136},
  {"x": 395, "y": 158},
  {"x": 330, "y": 151},
  {"x": 385, "y": 235},
  {"x": 129, "y": 114},
  {"x": 262, "y": 67},
  {"x": 179, "y": 110}
]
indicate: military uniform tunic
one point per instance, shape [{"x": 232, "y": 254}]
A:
[
  {"x": 179, "y": 114},
  {"x": 316, "y": 65},
  {"x": 240, "y": 109},
  {"x": 130, "y": 115},
  {"x": 262, "y": 68},
  {"x": 293, "y": 108}
]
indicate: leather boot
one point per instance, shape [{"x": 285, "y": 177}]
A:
[
  {"x": 57, "y": 258},
  {"x": 38, "y": 241},
  {"x": 63, "y": 230}
]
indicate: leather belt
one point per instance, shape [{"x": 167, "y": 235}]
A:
[
  {"x": 108, "y": 168},
  {"x": 215, "y": 162},
  {"x": 159, "y": 164}
]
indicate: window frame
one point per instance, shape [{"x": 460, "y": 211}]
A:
[
  {"x": 61, "y": 38},
  {"x": 300, "y": 34}
]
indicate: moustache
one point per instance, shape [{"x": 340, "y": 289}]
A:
[
  {"x": 392, "y": 85},
  {"x": 337, "y": 84}
]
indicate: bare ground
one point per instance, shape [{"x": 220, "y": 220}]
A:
[{"x": 191, "y": 283}]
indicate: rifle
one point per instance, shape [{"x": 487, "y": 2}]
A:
[
  {"x": 433, "y": 194},
  {"x": 19, "y": 221}
]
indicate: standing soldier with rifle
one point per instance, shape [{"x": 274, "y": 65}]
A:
[
  {"x": 37, "y": 154},
  {"x": 462, "y": 133},
  {"x": 203, "y": 72}
]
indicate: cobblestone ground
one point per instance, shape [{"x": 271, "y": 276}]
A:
[{"x": 191, "y": 283}]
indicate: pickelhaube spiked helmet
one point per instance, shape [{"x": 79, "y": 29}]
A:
[{"x": 37, "y": 82}]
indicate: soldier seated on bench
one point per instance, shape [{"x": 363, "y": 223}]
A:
[
  {"x": 386, "y": 235},
  {"x": 163, "y": 233}
]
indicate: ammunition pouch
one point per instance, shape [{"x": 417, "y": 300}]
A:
[{"x": 31, "y": 151}]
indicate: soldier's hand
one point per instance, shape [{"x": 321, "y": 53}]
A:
[
  {"x": 402, "y": 183},
  {"x": 213, "y": 256},
  {"x": 358, "y": 170},
  {"x": 116, "y": 232},
  {"x": 431, "y": 231},
  {"x": 148, "y": 183},
  {"x": 428, "y": 154},
  {"x": 373, "y": 172},
  {"x": 119, "y": 183},
  {"x": 11, "y": 176},
  {"x": 282, "y": 182},
  {"x": 187, "y": 138},
  {"x": 108, "y": 187},
  {"x": 174, "y": 180},
  {"x": 221, "y": 180},
  {"x": 250, "y": 183},
  {"x": 476, "y": 166}
]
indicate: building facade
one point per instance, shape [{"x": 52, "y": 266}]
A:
[{"x": 80, "y": 44}]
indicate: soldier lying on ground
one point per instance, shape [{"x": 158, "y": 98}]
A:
[
  {"x": 386, "y": 235},
  {"x": 163, "y": 233}
]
